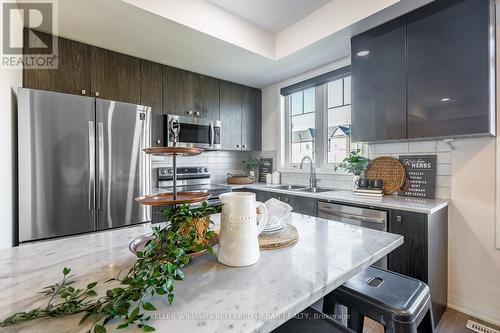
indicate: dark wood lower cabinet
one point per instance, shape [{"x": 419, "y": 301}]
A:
[
  {"x": 424, "y": 254},
  {"x": 301, "y": 205}
]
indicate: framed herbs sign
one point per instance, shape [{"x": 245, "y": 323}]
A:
[
  {"x": 265, "y": 167},
  {"x": 421, "y": 173}
]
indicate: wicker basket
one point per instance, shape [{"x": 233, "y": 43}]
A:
[
  {"x": 200, "y": 225},
  {"x": 240, "y": 180},
  {"x": 390, "y": 170}
]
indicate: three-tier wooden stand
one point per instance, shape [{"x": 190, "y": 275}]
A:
[{"x": 173, "y": 198}]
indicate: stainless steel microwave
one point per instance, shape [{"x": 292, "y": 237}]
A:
[{"x": 194, "y": 132}]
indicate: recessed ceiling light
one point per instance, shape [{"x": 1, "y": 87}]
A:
[
  {"x": 363, "y": 53},
  {"x": 446, "y": 99}
]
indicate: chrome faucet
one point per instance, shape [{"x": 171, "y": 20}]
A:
[{"x": 312, "y": 172}]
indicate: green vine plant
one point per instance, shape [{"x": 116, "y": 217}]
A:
[
  {"x": 355, "y": 163},
  {"x": 252, "y": 163},
  {"x": 154, "y": 272}
]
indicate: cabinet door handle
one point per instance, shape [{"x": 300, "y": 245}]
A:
[
  {"x": 244, "y": 146},
  {"x": 399, "y": 218},
  {"x": 190, "y": 113},
  {"x": 96, "y": 94},
  {"x": 84, "y": 92},
  {"x": 198, "y": 113},
  {"x": 237, "y": 146}
]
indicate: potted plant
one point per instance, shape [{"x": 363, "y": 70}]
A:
[
  {"x": 251, "y": 165},
  {"x": 354, "y": 163}
]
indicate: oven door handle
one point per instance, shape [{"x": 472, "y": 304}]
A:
[
  {"x": 355, "y": 217},
  {"x": 212, "y": 134}
]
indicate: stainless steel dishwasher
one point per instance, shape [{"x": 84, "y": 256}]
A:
[{"x": 363, "y": 217}]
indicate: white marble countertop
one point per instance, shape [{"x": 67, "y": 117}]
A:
[
  {"x": 214, "y": 297},
  {"x": 418, "y": 205}
]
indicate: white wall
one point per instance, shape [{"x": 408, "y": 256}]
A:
[
  {"x": 9, "y": 79},
  {"x": 466, "y": 175}
]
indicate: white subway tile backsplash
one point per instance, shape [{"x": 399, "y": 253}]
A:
[
  {"x": 422, "y": 147},
  {"x": 444, "y": 158},
  {"x": 220, "y": 163},
  {"x": 443, "y": 169},
  {"x": 389, "y": 148}
]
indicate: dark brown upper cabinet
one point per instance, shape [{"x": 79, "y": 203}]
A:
[
  {"x": 190, "y": 94},
  {"x": 230, "y": 115},
  {"x": 115, "y": 76},
  {"x": 72, "y": 74},
  {"x": 151, "y": 95},
  {"x": 449, "y": 57},
  {"x": 251, "y": 119},
  {"x": 178, "y": 91},
  {"x": 379, "y": 83},
  {"x": 207, "y": 98}
]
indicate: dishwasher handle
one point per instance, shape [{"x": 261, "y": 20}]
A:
[{"x": 354, "y": 217}]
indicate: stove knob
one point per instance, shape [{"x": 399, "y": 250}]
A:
[
  {"x": 162, "y": 172},
  {"x": 206, "y": 170},
  {"x": 170, "y": 171},
  {"x": 200, "y": 170}
]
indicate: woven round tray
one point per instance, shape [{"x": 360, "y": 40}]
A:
[
  {"x": 279, "y": 239},
  {"x": 234, "y": 179},
  {"x": 390, "y": 170}
]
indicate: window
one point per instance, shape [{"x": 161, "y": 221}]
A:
[
  {"x": 318, "y": 122},
  {"x": 303, "y": 128},
  {"x": 339, "y": 120}
]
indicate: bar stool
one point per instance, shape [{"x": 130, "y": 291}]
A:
[
  {"x": 400, "y": 303},
  {"x": 311, "y": 320}
]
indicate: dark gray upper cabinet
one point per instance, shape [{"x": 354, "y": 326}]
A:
[
  {"x": 151, "y": 95},
  {"x": 379, "y": 83},
  {"x": 428, "y": 74},
  {"x": 449, "y": 69},
  {"x": 251, "y": 119},
  {"x": 230, "y": 115}
]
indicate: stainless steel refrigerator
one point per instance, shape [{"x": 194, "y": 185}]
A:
[{"x": 81, "y": 164}]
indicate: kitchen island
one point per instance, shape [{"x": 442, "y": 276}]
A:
[{"x": 212, "y": 297}]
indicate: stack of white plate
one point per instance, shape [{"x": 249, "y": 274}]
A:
[{"x": 278, "y": 214}]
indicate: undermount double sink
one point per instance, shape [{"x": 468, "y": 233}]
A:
[{"x": 298, "y": 188}]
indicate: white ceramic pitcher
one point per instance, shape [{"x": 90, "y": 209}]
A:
[{"x": 240, "y": 228}]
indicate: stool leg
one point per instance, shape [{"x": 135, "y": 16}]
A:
[
  {"x": 355, "y": 321},
  {"x": 329, "y": 302},
  {"x": 427, "y": 324}
]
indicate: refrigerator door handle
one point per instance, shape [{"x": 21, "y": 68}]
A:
[
  {"x": 212, "y": 134},
  {"x": 91, "y": 165},
  {"x": 100, "y": 139}
]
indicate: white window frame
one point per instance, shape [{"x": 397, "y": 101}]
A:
[{"x": 321, "y": 127}]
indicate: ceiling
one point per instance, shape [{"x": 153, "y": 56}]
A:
[
  {"x": 123, "y": 27},
  {"x": 272, "y": 15}
]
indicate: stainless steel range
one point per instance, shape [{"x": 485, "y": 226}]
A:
[{"x": 189, "y": 179}]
